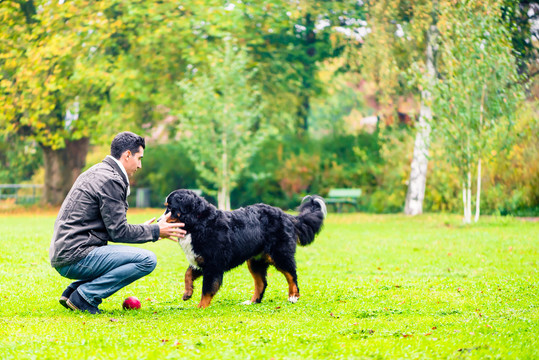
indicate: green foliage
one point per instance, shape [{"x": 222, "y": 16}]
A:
[
  {"x": 511, "y": 179},
  {"x": 291, "y": 41},
  {"x": 392, "y": 171},
  {"x": 328, "y": 113},
  {"x": 444, "y": 188},
  {"x": 118, "y": 64},
  {"x": 53, "y": 62},
  {"x": 287, "y": 168},
  {"x": 165, "y": 168},
  {"x": 519, "y": 20},
  {"x": 223, "y": 119},
  {"x": 371, "y": 287},
  {"x": 19, "y": 159},
  {"x": 477, "y": 92}
]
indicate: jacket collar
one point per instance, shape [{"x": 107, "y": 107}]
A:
[{"x": 118, "y": 167}]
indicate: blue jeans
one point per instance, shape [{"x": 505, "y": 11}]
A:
[{"x": 107, "y": 269}]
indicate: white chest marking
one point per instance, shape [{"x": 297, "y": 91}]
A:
[{"x": 187, "y": 248}]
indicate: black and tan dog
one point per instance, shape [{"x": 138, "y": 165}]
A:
[{"x": 263, "y": 235}]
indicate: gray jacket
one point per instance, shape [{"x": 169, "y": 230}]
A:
[{"x": 94, "y": 213}]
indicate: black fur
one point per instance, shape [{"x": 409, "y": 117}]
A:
[{"x": 259, "y": 234}]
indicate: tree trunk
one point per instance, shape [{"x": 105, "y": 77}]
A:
[
  {"x": 464, "y": 202},
  {"x": 62, "y": 167},
  {"x": 302, "y": 113},
  {"x": 478, "y": 199},
  {"x": 223, "y": 198},
  {"x": 420, "y": 160},
  {"x": 223, "y": 193},
  {"x": 467, "y": 199}
]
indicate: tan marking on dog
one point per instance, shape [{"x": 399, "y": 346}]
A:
[
  {"x": 293, "y": 291},
  {"x": 268, "y": 259},
  {"x": 206, "y": 298},
  {"x": 259, "y": 285},
  {"x": 189, "y": 287},
  {"x": 205, "y": 301}
]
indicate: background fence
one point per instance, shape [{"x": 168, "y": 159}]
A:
[{"x": 22, "y": 193}]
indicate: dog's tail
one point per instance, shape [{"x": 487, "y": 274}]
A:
[{"x": 312, "y": 212}]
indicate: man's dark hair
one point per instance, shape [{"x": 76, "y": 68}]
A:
[{"x": 126, "y": 141}]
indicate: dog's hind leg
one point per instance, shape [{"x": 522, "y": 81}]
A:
[
  {"x": 287, "y": 267},
  {"x": 190, "y": 276},
  {"x": 259, "y": 270},
  {"x": 211, "y": 283}
]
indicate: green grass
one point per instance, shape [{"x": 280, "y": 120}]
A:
[{"x": 373, "y": 287}]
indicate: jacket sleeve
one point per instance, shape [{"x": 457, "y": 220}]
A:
[{"x": 113, "y": 210}]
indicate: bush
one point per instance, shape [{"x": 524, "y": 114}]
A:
[
  {"x": 510, "y": 177},
  {"x": 19, "y": 159},
  {"x": 165, "y": 168},
  {"x": 288, "y": 168}
]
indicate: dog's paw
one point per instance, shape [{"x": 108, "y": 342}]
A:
[
  {"x": 186, "y": 297},
  {"x": 248, "y": 302},
  {"x": 293, "y": 299}
]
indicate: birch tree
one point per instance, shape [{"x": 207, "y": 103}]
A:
[
  {"x": 473, "y": 101},
  {"x": 420, "y": 160},
  {"x": 222, "y": 120},
  {"x": 402, "y": 45}
]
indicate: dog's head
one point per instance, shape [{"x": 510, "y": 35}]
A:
[{"x": 185, "y": 206}]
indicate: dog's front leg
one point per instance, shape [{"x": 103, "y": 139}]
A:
[
  {"x": 210, "y": 285},
  {"x": 190, "y": 276}
]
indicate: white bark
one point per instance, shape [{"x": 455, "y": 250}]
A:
[
  {"x": 223, "y": 198},
  {"x": 418, "y": 174},
  {"x": 467, "y": 197},
  {"x": 478, "y": 199},
  {"x": 420, "y": 161},
  {"x": 464, "y": 200}
]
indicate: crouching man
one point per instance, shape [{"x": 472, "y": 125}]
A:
[{"x": 94, "y": 214}]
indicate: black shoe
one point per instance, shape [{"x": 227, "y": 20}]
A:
[
  {"x": 65, "y": 296},
  {"x": 78, "y": 303}
]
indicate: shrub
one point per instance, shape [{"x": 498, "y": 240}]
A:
[{"x": 165, "y": 168}]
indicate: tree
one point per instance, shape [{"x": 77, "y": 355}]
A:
[
  {"x": 418, "y": 174},
  {"x": 54, "y": 78},
  {"x": 475, "y": 96},
  {"x": 222, "y": 119},
  {"x": 290, "y": 41},
  {"x": 402, "y": 45}
]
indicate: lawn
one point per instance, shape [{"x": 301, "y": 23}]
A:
[{"x": 372, "y": 287}]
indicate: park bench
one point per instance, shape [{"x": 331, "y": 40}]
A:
[{"x": 340, "y": 197}]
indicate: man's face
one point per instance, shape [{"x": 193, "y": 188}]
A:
[{"x": 132, "y": 162}]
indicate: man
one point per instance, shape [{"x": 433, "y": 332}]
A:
[{"x": 94, "y": 214}]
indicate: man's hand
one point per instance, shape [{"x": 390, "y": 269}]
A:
[{"x": 172, "y": 231}]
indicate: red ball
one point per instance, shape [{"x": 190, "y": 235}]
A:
[{"x": 131, "y": 303}]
